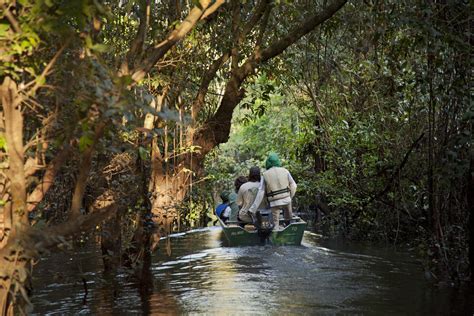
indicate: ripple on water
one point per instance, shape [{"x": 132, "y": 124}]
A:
[{"x": 202, "y": 277}]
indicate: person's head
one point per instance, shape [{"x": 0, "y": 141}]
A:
[
  {"x": 272, "y": 161},
  {"x": 254, "y": 174},
  {"x": 224, "y": 196},
  {"x": 239, "y": 181}
]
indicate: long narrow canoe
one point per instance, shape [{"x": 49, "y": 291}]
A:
[{"x": 291, "y": 235}]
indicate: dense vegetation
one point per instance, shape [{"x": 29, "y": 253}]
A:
[
  {"x": 113, "y": 113},
  {"x": 374, "y": 119}
]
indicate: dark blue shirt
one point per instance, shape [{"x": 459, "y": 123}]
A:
[{"x": 220, "y": 208}]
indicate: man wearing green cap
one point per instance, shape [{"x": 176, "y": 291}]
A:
[
  {"x": 279, "y": 187},
  {"x": 223, "y": 210}
]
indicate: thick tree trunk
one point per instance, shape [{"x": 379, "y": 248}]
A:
[
  {"x": 11, "y": 103},
  {"x": 169, "y": 191},
  {"x": 216, "y": 130},
  {"x": 16, "y": 213}
]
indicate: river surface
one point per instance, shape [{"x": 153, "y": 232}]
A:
[{"x": 201, "y": 276}]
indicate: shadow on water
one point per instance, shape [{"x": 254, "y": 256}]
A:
[{"x": 202, "y": 277}]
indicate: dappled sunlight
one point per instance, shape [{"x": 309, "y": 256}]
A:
[{"x": 129, "y": 129}]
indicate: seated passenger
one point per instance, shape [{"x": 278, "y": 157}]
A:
[
  {"x": 223, "y": 210},
  {"x": 233, "y": 199},
  {"x": 246, "y": 195}
]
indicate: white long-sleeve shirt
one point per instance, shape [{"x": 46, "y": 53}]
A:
[{"x": 261, "y": 194}]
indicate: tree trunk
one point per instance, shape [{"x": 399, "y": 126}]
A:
[
  {"x": 470, "y": 199},
  {"x": 111, "y": 242},
  {"x": 84, "y": 171},
  {"x": 16, "y": 212},
  {"x": 11, "y": 103}
]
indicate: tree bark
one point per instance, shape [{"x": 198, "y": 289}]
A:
[
  {"x": 84, "y": 170},
  {"x": 35, "y": 197},
  {"x": 14, "y": 137}
]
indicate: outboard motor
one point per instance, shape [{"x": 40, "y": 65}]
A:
[{"x": 264, "y": 228}]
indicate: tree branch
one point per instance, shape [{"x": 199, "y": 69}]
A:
[
  {"x": 299, "y": 31},
  {"x": 205, "y": 82},
  {"x": 236, "y": 34},
  {"x": 48, "y": 178},
  {"x": 159, "y": 50},
  {"x": 277, "y": 47},
  {"x": 397, "y": 170},
  {"x": 216, "y": 129},
  {"x": 261, "y": 9},
  {"x": 38, "y": 82},
  {"x": 253, "y": 21},
  {"x": 263, "y": 26},
  {"x": 11, "y": 19},
  {"x": 212, "y": 9},
  {"x": 84, "y": 170},
  {"x": 138, "y": 42}
]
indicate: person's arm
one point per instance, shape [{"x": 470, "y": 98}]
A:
[
  {"x": 259, "y": 197},
  {"x": 240, "y": 197},
  {"x": 227, "y": 212},
  {"x": 292, "y": 184}
]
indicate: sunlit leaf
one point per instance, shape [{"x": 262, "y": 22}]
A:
[{"x": 85, "y": 142}]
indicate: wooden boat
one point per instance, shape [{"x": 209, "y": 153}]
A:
[{"x": 291, "y": 235}]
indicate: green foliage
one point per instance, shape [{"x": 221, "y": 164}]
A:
[
  {"x": 254, "y": 135},
  {"x": 370, "y": 110},
  {"x": 262, "y": 93},
  {"x": 84, "y": 142},
  {"x": 3, "y": 142},
  {"x": 144, "y": 154},
  {"x": 345, "y": 108}
]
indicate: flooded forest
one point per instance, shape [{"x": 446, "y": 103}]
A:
[{"x": 122, "y": 123}]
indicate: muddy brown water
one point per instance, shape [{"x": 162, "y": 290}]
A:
[{"x": 202, "y": 276}]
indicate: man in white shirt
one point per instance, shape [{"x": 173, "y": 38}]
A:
[
  {"x": 247, "y": 193},
  {"x": 278, "y": 186}
]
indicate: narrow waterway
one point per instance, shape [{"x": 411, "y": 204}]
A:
[{"x": 203, "y": 277}]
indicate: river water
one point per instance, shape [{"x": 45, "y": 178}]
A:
[{"x": 201, "y": 276}]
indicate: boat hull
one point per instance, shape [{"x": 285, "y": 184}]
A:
[{"x": 289, "y": 236}]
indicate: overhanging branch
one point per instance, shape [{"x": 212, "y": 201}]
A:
[
  {"x": 216, "y": 129},
  {"x": 158, "y": 51}
]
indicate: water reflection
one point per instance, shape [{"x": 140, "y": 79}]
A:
[{"x": 202, "y": 277}]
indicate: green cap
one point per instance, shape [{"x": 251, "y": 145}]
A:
[
  {"x": 272, "y": 161},
  {"x": 225, "y": 196}
]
